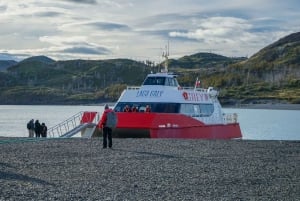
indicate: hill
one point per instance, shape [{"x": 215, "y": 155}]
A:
[
  {"x": 40, "y": 59},
  {"x": 270, "y": 75},
  {"x": 204, "y": 60},
  {"x": 273, "y": 73},
  {"x": 35, "y": 81},
  {"x": 4, "y": 64}
]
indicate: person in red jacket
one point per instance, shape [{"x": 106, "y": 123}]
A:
[{"x": 107, "y": 132}]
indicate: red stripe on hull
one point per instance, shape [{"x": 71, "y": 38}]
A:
[
  {"x": 163, "y": 125},
  {"x": 227, "y": 131}
]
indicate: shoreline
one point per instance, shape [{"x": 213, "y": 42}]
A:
[{"x": 267, "y": 106}]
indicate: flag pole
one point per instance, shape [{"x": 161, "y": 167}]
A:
[{"x": 196, "y": 84}]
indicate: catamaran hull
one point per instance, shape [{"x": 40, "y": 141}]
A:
[{"x": 158, "y": 125}]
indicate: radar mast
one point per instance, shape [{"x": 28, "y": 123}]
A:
[{"x": 165, "y": 55}]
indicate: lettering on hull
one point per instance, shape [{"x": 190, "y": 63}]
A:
[
  {"x": 150, "y": 93},
  {"x": 189, "y": 96}
]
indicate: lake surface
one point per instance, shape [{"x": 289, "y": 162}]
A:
[{"x": 256, "y": 124}]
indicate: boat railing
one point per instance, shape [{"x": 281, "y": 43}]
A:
[
  {"x": 133, "y": 87},
  {"x": 70, "y": 124},
  {"x": 192, "y": 88},
  {"x": 230, "y": 118}
]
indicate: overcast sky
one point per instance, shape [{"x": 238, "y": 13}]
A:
[{"x": 140, "y": 29}]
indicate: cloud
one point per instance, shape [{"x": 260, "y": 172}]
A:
[
  {"x": 87, "y": 50},
  {"x": 6, "y": 56},
  {"x": 3, "y": 8},
  {"x": 83, "y": 1},
  {"x": 133, "y": 28},
  {"x": 108, "y": 26},
  {"x": 215, "y": 27},
  {"x": 48, "y": 14},
  {"x": 60, "y": 40}
]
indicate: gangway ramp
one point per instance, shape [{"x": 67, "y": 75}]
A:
[
  {"x": 86, "y": 129},
  {"x": 84, "y": 122}
]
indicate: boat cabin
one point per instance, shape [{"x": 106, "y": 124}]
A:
[{"x": 161, "y": 92}]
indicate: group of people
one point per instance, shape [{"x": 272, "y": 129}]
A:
[
  {"x": 134, "y": 109},
  {"x": 36, "y": 129}
]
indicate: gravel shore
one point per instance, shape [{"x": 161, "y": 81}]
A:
[{"x": 149, "y": 169}]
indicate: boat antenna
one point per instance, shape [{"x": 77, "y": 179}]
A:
[{"x": 165, "y": 55}]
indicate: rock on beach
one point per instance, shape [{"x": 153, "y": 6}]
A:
[{"x": 149, "y": 169}]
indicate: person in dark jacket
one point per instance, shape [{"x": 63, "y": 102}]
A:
[
  {"x": 44, "y": 130},
  {"x": 37, "y": 128},
  {"x": 30, "y": 127},
  {"x": 107, "y": 132}
]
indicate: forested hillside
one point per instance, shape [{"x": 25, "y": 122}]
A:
[{"x": 271, "y": 75}]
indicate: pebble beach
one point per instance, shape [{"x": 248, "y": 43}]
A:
[{"x": 149, "y": 169}]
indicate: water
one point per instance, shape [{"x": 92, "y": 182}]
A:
[
  {"x": 14, "y": 118},
  {"x": 260, "y": 124},
  {"x": 256, "y": 124}
]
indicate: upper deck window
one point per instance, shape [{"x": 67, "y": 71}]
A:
[
  {"x": 171, "y": 82},
  {"x": 155, "y": 81}
]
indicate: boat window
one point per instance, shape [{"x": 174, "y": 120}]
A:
[
  {"x": 171, "y": 82},
  {"x": 155, "y": 107},
  {"x": 175, "y": 83},
  {"x": 165, "y": 107},
  {"x": 154, "y": 81},
  {"x": 168, "y": 82},
  {"x": 196, "y": 110},
  {"x": 187, "y": 109},
  {"x": 206, "y": 109}
]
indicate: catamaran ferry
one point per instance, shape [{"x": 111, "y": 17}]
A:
[{"x": 160, "y": 108}]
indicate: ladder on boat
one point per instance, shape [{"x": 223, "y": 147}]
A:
[{"x": 82, "y": 122}]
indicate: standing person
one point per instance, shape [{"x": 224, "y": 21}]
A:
[
  {"x": 134, "y": 109},
  {"x": 107, "y": 131},
  {"x": 127, "y": 109},
  {"x": 148, "y": 109},
  {"x": 30, "y": 127},
  {"x": 44, "y": 130},
  {"x": 37, "y": 128}
]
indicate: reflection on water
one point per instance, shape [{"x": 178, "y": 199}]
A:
[{"x": 256, "y": 124}]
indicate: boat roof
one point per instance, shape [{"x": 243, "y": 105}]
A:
[{"x": 163, "y": 74}]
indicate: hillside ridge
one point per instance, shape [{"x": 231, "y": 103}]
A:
[{"x": 270, "y": 75}]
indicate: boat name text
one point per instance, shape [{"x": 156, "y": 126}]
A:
[
  {"x": 148, "y": 93},
  {"x": 194, "y": 96}
]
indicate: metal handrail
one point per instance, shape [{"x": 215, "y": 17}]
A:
[
  {"x": 68, "y": 125},
  {"x": 230, "y": 118},
  {"x": 65, "y": 126}
]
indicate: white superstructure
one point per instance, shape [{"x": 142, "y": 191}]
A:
[{"x": 164, "y": 95}]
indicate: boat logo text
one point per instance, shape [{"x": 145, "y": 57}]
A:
[{"x": 194, "y": 96}]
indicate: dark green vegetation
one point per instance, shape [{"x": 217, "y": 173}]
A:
[{"x": 270, "y": 76}]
